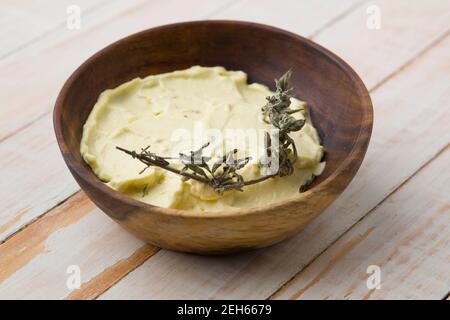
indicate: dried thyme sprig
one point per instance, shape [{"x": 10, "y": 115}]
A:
[
  {"x": 278, "y": 113},
  {"x": 223, "y": 175}
]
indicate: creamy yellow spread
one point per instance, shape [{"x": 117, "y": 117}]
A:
[{"x": 178, "y": 112}]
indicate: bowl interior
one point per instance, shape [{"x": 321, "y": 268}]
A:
[{"x": 336, "y": 96}]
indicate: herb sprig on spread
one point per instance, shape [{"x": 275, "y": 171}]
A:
[{"x": 223, "y": 174}]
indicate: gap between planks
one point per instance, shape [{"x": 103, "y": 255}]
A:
[
  {"x": 26, "y": 225},
  {"x": 418, "y": 56},
  {"x": 337, "y": 18},
  {"x": 92, "y": 289}
]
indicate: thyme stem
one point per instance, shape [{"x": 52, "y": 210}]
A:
[{"x": 149, "y": 162}]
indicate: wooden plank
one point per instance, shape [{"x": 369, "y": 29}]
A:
[
  {"x": 409, "y": 130},
  {"x": 75, "y": 233},
  {"x": 34, "y": 177},
  {"x": 302, "y": 17},
  {"x": 23, "y": 22},
  {"x": 240, "y": 262},
  {"x": 407, "y": 237},
  {"x": 406, "y": 29}
]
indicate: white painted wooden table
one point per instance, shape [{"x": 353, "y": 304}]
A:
[{"x": 394, "y": 215}]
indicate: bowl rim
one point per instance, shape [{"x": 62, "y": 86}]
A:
[{"x": 359, "y": 146}]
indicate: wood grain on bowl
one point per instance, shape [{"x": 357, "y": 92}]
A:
[{"x": 340, "y": 109}]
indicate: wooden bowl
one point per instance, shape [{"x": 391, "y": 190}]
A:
[{"x": 341, "y": 110}]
